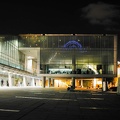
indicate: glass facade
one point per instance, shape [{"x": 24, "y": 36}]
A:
[
  {"x": 9, "y": 53},
  {"x": 68, "y": 53}
]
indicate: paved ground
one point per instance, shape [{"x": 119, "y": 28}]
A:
[{"x": 55, "y": 103}]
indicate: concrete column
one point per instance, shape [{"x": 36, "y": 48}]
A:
[
  {"x": 73, "y": 63},
  {"x": 104, "y": 84},
  {"x": 52, "y": 82},
  {"x": 10, "y": 79},
  {"x": 81, "y": 83},
  {"x": 115, "y": 54},
  {"x": 24, "y": 81},
  {"x": 43, "y": 82},
  {"x": 38, "y": 62},
  {"x": 33, "y": 82},
  {"x": 37, "y": 82},
  {"x": 73, "y": 82},
  {"x": 49, "y": 82}
]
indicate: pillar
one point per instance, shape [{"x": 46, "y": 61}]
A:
[
  {"x": 52, "y": 82},
  {"x": 10, "y": 79},
  {"x": 33, "y": 82},
  {"x": 81, "y": 83},
  {"x": 49, "y": 82},
  {"x": 104, "y": 84},
  {"x": 73, "y": 62},
  {"x": 24, "y": 81},
  {"x": 43, "y": 82},
  {"x": 73, "y": 82},
  {"x": 115, "y": 54},
  {"x": 38, "y": 62}
]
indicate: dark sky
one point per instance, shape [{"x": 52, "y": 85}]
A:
[
  {"x": 72, "y": 17},
  {"x": 60, "y": 17}
]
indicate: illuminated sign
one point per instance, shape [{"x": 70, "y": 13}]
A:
[{"x": 73, "y": 44}]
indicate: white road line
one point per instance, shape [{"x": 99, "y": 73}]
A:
[
  {"x": 93, "y": 108},
  {"x": 8, "y": 110},
  {"x": 45, "y": 98}
]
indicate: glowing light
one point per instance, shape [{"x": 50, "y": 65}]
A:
[
  {"x": 93, "y": 69},
  {"x": 118, "y": 72},
  {"x": 73, "y": 44}
]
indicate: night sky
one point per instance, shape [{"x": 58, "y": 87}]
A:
[{"x": 60, "y": 17}]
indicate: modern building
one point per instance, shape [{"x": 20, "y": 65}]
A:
[{"x": 58, "y": 60}]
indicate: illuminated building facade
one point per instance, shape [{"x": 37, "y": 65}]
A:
[{"x": 58, "y": 60}]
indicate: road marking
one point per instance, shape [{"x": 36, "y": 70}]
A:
[
  {"x": 92, "y": 98},
  {"x": 45, "y": 93},
  {"x": 93, "y": 108},
  {"x": 46, "y": 98},
  {"x": 8, "y": 110}
]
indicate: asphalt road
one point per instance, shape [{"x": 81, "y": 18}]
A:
[{"x": 57, "y": 103}]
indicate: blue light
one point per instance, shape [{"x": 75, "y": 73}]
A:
[{"x": 73, "y": 44}]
